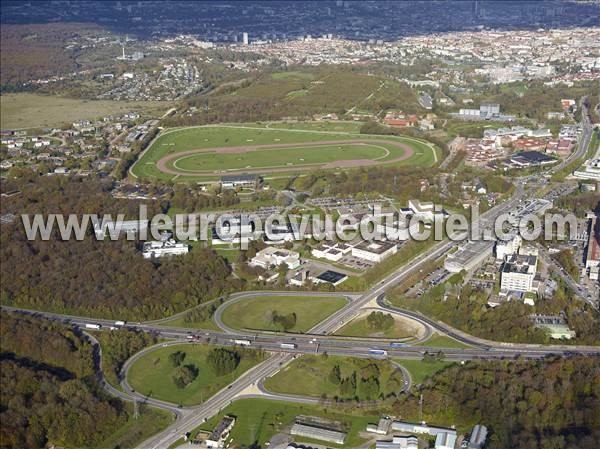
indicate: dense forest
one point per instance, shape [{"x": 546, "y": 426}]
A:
[
  {"x": 549, "y": 404},
  {"x": 38, "y": 50},
  {"x": 117, "y": 346},
  {"x": 49, "y": 392},
  {"x": 100, "y": 278}
]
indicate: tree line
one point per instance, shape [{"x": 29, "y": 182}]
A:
[
  {"x": 98, "y": 278},
  {"x": 542, "y": 404},
  {"x": 49, "y": 394}
]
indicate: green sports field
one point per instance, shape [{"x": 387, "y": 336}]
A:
[{"x": 204, "y": 153}]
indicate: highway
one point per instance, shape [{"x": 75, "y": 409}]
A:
[{"x": 312, "y": 343}]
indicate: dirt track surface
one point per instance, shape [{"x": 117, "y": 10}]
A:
[{"x": 163, "y": 163}]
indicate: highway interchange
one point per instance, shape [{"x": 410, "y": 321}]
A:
[{"x": 319, "y": 338}]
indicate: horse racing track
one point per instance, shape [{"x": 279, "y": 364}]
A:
[{"x": 207, "y": 152}]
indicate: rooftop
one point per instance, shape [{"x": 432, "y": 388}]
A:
[{"x": 378, "y": 247}]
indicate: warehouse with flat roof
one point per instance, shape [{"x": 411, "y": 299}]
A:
[
  {"x": 469, "y": 256},
  {"x": 318, "y": 433}
]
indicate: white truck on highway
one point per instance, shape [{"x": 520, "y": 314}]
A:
[
  {"x": 120, "y": 323},
  {"x": 241, "y": 342},
  {"x": 92, "y": 326},
  {"x": 287, "y": 346}
]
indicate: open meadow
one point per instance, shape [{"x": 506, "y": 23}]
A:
[
  {"x": 153, "y": 374},
  {"x": 28, "y": 110},
  {"x": 256, "y": 313}
]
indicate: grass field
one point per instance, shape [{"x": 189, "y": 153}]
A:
[
  {"x": 359, "y": 328},
  {"x": 255, "y": 313},
  {"x": 419, "y": 370},
  {"x": 179, "y": 322},
  {"x": 309, "y": 376},
  {"x": 27, "y": 110},
  {"x": 191, "y": 154},
  {"x": 135, "y": 431},
  {"x": 259, "y": 419},
  {"x": 441, "y": 341},
  {"x": 297, "y": 156},
  {"x": 151, "y": 375}
]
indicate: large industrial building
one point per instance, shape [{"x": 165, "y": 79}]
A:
[
  {"x": 374, "y": 251},
  {"x": 469, "y": 256},
  {"x": 317, "y": 432}
]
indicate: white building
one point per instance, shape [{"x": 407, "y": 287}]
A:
[
  {"x": 232, "y": 225},
  {"x": 331, "y": 251},
  {"x": 127, "y": 226},
  {"x": 478, "y": 437},
  {"x": 272, "y": 256},
  {"x": 518, "y": 273},
  {"x": 399, "y": 229},
  {"x": 508, "y": 247},
  {"x": 421, "y": 429},
  {"x": 399, "y": 442},
  {"x": 426, "y": 211},
  {"x": 590, "y": 170},
  {"x": 445, "y": 440},
  {"x": 163, "y": 248},
  {"x": 381, "y": 428},
  {"x": 374, "y": 251}
]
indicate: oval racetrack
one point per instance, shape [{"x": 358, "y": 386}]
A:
[{"x": 167, "y": 164}]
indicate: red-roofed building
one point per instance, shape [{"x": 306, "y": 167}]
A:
[
  {"x": 411, "y": 120},
  {"x": 529, "y": 144},
  {"x": 567, "y": 103}
]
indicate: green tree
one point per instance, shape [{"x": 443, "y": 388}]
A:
[
  {"x": 184, "y": 375},
  {"x": 223, "y": 361},
  {"x": 380, "y": 320},
  {"x": 335, "y": 376},
  {"x": 176, "y": 358}
]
